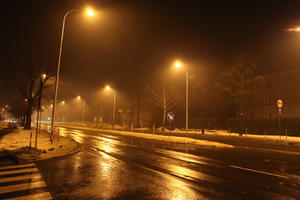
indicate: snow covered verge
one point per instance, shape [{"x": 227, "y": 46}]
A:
[
  {"x": 17, "y": 144},
  {"x": 174, "y": 139},
  {"x": 222, "y": 138}
]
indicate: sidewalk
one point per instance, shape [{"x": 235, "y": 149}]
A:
[
  {"x": 17, "y": 145},
  {"x": 220, "y": 138}
]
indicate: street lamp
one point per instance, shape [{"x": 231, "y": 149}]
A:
[
  {"x": 79, "y": 98},
  {"x": 108, "y": 88},
  {"x": 89, "y": 12},
  {"x": 66, "y": 108},
  {"x": 295, "y": 29},
  {"x": 43, "y": 80},
  {"x": 178, "y": 64}
]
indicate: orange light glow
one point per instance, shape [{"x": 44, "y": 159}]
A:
[
  {"x": 90, "y": 12},
  {"x": 177, "y": 64},
  {"x": 295, "y": 29},
  {"x": 43, "y": 76}
]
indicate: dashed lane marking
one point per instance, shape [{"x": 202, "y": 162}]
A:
[{"x": 260, "y": 172}]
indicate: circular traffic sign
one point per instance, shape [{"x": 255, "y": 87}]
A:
[
  {"x": 279, "y": 103},
  {"x": 170, "y": 116}
]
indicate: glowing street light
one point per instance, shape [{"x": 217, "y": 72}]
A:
[
  {"x": 79, "y": 98},
  {"x": 89, "y": 12},
  {"x": 295, "y": 29},
  {"x": 66, "y": 106},
  {"x": 43, "y": 77},
  {"x": 178, "y": 64},
  {"x": 108, "y": 88}
]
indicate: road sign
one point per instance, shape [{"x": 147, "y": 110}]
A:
[
  {"x": 279, "y": 103},
  {"x": 170, "y": 116}
]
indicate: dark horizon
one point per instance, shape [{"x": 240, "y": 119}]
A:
[{"x": 130, "y": 41}]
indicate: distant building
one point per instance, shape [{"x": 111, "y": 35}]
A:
[{"x": 283, "y": 85}]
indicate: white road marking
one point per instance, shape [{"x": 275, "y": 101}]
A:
[
  {"x": 19, "y": 178},
  {"x": 38, "y": 183},
  {"x": 260, "y": 172},
  {"x": 18, "y": 171},
  {"x": 17, "y": 166},
  {"x": 39, "y": 196},
  {"x": 23, "y": 186}
]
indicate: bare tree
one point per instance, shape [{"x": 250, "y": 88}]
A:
[
  {"x": 162, "y": 98},
  {"x": 31, "y": 87}
]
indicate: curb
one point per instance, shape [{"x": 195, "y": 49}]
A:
[
  {"x": 64, "y": 155},
  {"x": 14, "y": 157}
]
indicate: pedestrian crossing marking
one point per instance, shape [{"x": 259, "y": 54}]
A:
[
  {"x": 18, "y": 171},
  {"x": 22, "y": 186},
  {"x": 19, "y": 178},
  {"x": 21, "y": 190},
  {"x": 17, "y": 166},
  {"x": 40, "y": 196}
]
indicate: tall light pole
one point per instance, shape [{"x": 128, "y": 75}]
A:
[
  {"x": 42, "y": 82},
  {"x": 79, "y": 98},
  {"x": 178, "y": 64},
  {"x": 65, "y": 106},
  {"x": 89, "y": 12},
  {"x": 108, "y": 88}
]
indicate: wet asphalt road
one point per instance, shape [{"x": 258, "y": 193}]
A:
[{"x": 119, "y": 167}]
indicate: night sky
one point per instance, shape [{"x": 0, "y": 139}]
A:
[{"x": 129, "y": 41}]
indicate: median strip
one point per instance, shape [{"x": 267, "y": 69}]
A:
[{"x": 164, "y": 138}]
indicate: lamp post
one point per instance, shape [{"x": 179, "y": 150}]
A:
[
  {"x": 178, "y": 64},
  {"x": 42, "y": 82},
  {"x": 79, "y": 98},
  {"x": 66, "y": 109},
  {"x": 89, "y": 12},
  {"x": 108, "y": 88}
]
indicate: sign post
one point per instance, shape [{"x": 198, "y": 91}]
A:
[{"x": 279, "y": 105}]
